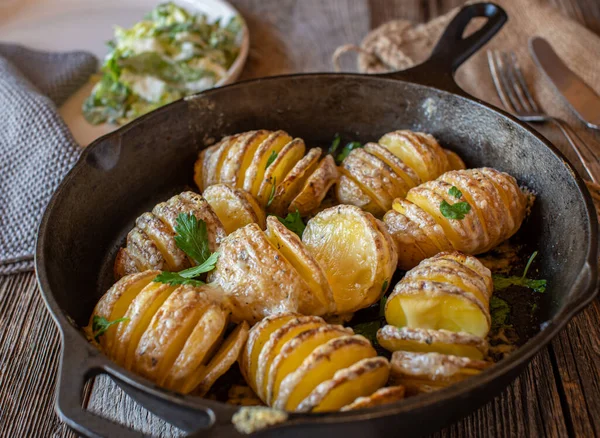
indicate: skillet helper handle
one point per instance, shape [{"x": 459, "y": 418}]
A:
[
  {"x": 76, "y": 367},
  {"x": 453, "y": 49}
]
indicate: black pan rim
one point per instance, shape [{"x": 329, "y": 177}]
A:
[{"x": 521, "y": 356}]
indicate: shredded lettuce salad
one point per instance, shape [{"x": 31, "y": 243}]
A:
[{"x": 170, "y": 54}]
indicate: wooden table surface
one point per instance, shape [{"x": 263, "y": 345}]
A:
[{"x": 559, "y": 393}]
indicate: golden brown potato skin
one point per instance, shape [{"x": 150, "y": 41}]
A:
[
  {"x": 498, "y": 208},
  {"x": 380, "y": 172},
  {"x": 151, "y": 243}
]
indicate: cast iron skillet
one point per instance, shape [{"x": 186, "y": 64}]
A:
[{"x": 125, "y": 173}]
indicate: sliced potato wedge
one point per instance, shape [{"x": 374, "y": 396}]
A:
[
  {"x": 348, "y": 191},
  {"x": 454, "y": 160},
  {"x": 142, "y": 251},
  {"x": 223, "y": 360},
  {"x": 358, "y": 380},
  {"x": 295, "y": 350},
  {"x": 277, "y": 171},
  {"x": 139, "y": 314},
  {"x": 213, "y": 160},
  {"x": 319, "y": 366},
  {"x": 427, "y": 341},
  {"x": 167, "y": 333},
  {"x": 255, "y": 173},
  {"x": 294, "y": 251},
  {"x": 273, "y": 346},
  {"x": 257, "y": 280},
  {"x": 235, "y": 208},
  {"x": 257, "y": 338},
  {"x": 199, "y": 167},
  {"x": 426, "y": 372},
  {"x": 164, "y": 239},
  {"x": 114, "y": 304},
  {"x": 398, "y": 166},
  {"x": 238, "y": 157},
  {"x": 288, "y": 189},
  {"x": 412, "y": 244},
  {"x": 316, "y": 187},
  {"x": 382, "y": 396},
  {"x": 369, "y": 260},
  {"x": 425, "y": 222},
  {"x": 433, "y": 305},
  {"x": 204, "y": 339}
]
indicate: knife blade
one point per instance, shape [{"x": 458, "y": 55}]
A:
[{"x": 582, "y": 98}]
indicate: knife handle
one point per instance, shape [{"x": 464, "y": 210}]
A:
[{"x": 584, "y": 153}]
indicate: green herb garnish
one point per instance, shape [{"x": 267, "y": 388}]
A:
[
  {"x": 455, "y": 211},
  {"x": 192, "y": 239},
  {"x": 499, "y": 312},
  {"x": 335, "y": 144},
  {"x": 455, "y": 192},
  {"x": 368, "y": 330},
  {"x": 293, "y": 222},
  {"x": 100, "y": 324},
  {"x": 271, "y": 158},
  {"x": 501, "y": 282},
  {"x": 346, "y": 151},
  {"x": 272, "y": 194}
]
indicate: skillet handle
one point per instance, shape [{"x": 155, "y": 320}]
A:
[{"x": 452, "y": 49}]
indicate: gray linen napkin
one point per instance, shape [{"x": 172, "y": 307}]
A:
[{"x": 36, "y": 147}]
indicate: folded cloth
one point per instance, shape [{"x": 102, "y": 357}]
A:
[
  {"x": 36, "y": 147},
  {"x": 398, "y": 45}
]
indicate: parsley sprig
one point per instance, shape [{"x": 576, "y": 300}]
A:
[
  {"x": 100, "y": 324},
  {"x": 293, "y": 222},
  {"x": 457, "y": 210},
  {"x": 501, "y": 282},
  {"x": 192, "y": 239},
  {"x": 272, "y": 193},
  {"x": 271, "y": 158},
  {"x": 349, "y": 147},
  {"x": 499, "y": 312}
]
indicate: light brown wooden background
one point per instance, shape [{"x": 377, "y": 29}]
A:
[{"x": 558, "y": 395}]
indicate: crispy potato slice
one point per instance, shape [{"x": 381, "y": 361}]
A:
[
  {"x": 143, "y": 251},
  {"x": 425, "y": 372},
  {"x": 226, "y": 356},
  {"x": 412, "y": 244},
  {"x": 273, "y": 346},
  {"x": 419, "y": 151},
  {"x": 164, "y": 239},
  {"x": 295, "y": 350},
  {"x": 197, "y": 350},
  {"x": 139, "y": 314},
  {"x": 471, "y": 263},
  {"x": 125, "y": 264},
  {"x": 257, "y": 338},
  {"x": 283, "y": 164},
  {"x": 255, "y": 173},
  {"x": 433, "y": 305},
  {"x": 257, "y": 280},
  {"x": 398, "y": 166},
  {"x": 294, "y": 251},
  {"x": 235, "y": 208},
  {"x": 190, "y": 202},
  {"x": 199, "y": 167},
  {"x": 348, "y": 191},
  {"x": 114, "y": 304},
  {"x": 382, "y": 396},
  {"x": 293, "y": 182},
  {"x": 319, "y": 366},
  {"x": 454, "y": 160},
  {"x": 375, "y": 178},
  {"x": 316, "y": 187},
  {"x": 425, "y": 222},
  {"x": 358, "y": 380},
  {"x": 426, "y": 341},
  {"x": 238, "y": 157},
  {"x": 368, "y": 260},
  {"x": 213, "y": 160},
  {"x": 167, "y": 333}
]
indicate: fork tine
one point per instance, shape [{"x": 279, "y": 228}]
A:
[
  {"x": 494, "y": 69},
  {"x": 509, "y": 60},
  {"x": 509, "y": 91},
  {"x": 523, "y": 82}
]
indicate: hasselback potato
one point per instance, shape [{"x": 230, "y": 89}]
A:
[
  {"x": 151, "y": 244},
  {"x": 471, "y": 211},
  {"x": 171, "y": 335},
  {"x": 301, "y": 363},
  {"x": 449, "y": 291},
  {"x": 373, "y": 176},
  {"x": 272, "y": 167}
]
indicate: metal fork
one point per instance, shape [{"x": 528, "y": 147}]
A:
[{"x": 515, "y": 96}]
